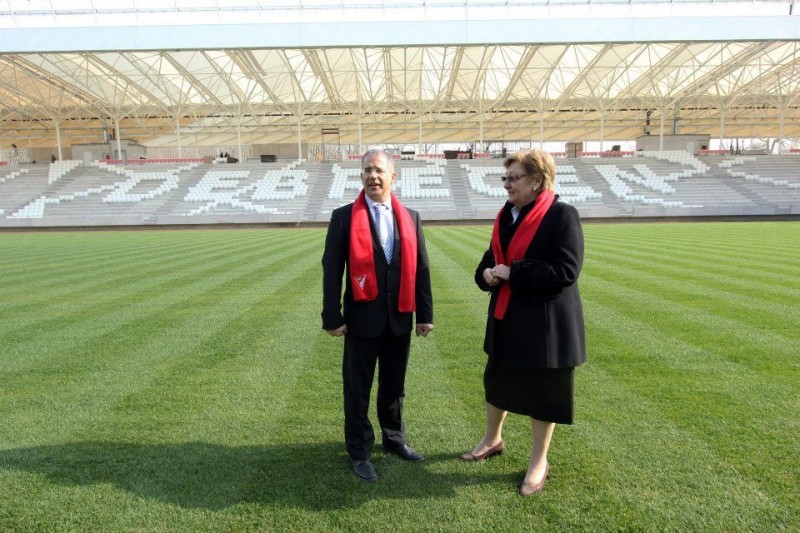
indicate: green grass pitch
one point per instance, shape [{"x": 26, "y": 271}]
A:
[{"x": 180, "y": 381}]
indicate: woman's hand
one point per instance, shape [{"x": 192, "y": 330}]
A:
[
  {"x": 501, "y": 272},
  {"x": 490, "y": 279}
]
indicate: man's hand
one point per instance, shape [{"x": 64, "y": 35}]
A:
[
  {"x": 338, "y": 332},
  {"x": 424, "y": 329}
]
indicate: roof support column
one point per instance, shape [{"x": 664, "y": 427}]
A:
[
  {"x": 780, "y": 128},
  {"x": 239, "y": 139},
  {"x": 119, "y": 141},
  {"x": 602, "y": 129},
  {"x": 419, "y": 135},
  {"x": 58, "y": 139},
  {"x": 541, "y": 132},
  {"x": 721, "y": 128},
  {"x": 178, "y": 136},
  {"x": 360, "y": 127},
  {"x": 360, "y": 136},
  {"x": 480, "y": 140},
  {"x": 299, "y": 136},
  {"x": 676, "y": 121},
  {"x": 661, "y": 131}
]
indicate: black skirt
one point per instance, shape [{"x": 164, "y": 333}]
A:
[{"x": 545, "y": 394}]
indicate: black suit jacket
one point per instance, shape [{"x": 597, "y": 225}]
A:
[
  {"x": 369, "y": 319},
  {"x": 543, "y": 325}
]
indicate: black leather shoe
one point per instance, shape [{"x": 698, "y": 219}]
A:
[
  {"x": 404, "y": 451},
  {"x": 364, "y": 469}
]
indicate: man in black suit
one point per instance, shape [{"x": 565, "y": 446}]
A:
[{"x": 379, "y": 247}]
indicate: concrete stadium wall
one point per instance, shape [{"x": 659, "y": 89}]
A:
[{"x": 690, "y": 143}]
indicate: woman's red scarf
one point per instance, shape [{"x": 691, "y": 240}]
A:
[
  {"x": 362, "y": 257},
  {"x": 519, "y": 243}
]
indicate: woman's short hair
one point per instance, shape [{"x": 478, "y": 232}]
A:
[{"x": 537, "y": 164}]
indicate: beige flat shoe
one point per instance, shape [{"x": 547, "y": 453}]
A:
[
  {"x": 497, "y": 449},
  {"x": 526, "y": 489}
]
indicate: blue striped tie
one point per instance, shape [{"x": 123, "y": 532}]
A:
[{"x": 385, "y": 239}]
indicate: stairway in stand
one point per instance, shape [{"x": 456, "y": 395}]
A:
[
  {"x": 319, "y": 183},
  {"x": 458, "y": 190},
  {"x": 740, "y": 185}
]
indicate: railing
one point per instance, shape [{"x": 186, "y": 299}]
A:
[
  {"x": 475, "y": 155},
  {"x": 606, "y": 153},
  {"x": 150, "y": 161}
]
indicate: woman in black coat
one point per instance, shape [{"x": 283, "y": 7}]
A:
[{"x": 534, "y": 331}]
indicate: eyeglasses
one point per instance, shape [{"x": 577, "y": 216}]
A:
[{"x": 511, "y": 179}]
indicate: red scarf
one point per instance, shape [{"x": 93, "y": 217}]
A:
[
  {"x": 519, "y": 243},
  {"x": 362, "y": 257}
]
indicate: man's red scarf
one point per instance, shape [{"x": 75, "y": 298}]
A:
[
  {"x": 362, "y": 258},
  {"x": 518, "y": 245}
]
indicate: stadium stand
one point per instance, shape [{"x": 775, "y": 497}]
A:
[{"x": 649, "y": 184}]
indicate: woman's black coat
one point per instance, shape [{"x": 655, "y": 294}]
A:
[{"x": 543, "y": 325}]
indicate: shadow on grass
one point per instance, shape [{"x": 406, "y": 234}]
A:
[{"x": 313, "y": 476}]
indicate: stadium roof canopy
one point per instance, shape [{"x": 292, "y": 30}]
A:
[{"x": 216, "y": 72}]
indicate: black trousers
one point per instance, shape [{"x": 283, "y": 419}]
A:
[{"x": 390, "y": 352}]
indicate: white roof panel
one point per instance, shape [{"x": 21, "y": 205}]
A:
[{"x": 446, "y": 70}]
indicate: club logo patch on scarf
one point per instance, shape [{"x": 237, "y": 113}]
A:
[{"x": 361, "y": 280}]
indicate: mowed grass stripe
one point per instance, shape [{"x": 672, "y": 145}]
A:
[
  {"x": 768, "y": 310},
  {"x": 144, "y": 337},
  {"x": 56, "y": 252},
  {"x": 739, "y": 243},
  {"x": 622, "y": 434},
  {"x": 630, "y": 346},
  {"x": 762, "y": 396},
  {"x": 103, "y": 313},
  {"x": 460, "y": 254},
  {"x": 137, "y": 344},
  {"x": 309, "y": 390},
  {"x": 214, "y": 403},
  {"x": 123, "y": 273},
  {"x": 118, "y": 272},
  {"x": 735, "y": 272},
  {"x": 192, "y": 287},
  {"x": 42, "y": 250},
  {"x": 734, "y": 339},
  {"x": 765, "y": 304},
  {"x": 679, "y": 453},
  {"x": 201, "y": 402},
  {"x": 243, "y": 351},
  {"x": 307, "y": 467},
  {"x": 708, "y": 402},
  {"x": 765, "y": 235},
  {"x": 691, "y": 279},
  {"x": 728, "y": 257},
  {"x": 446, "y": 367}
]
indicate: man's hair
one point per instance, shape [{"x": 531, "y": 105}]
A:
[{"x": 379, "y": 151}]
